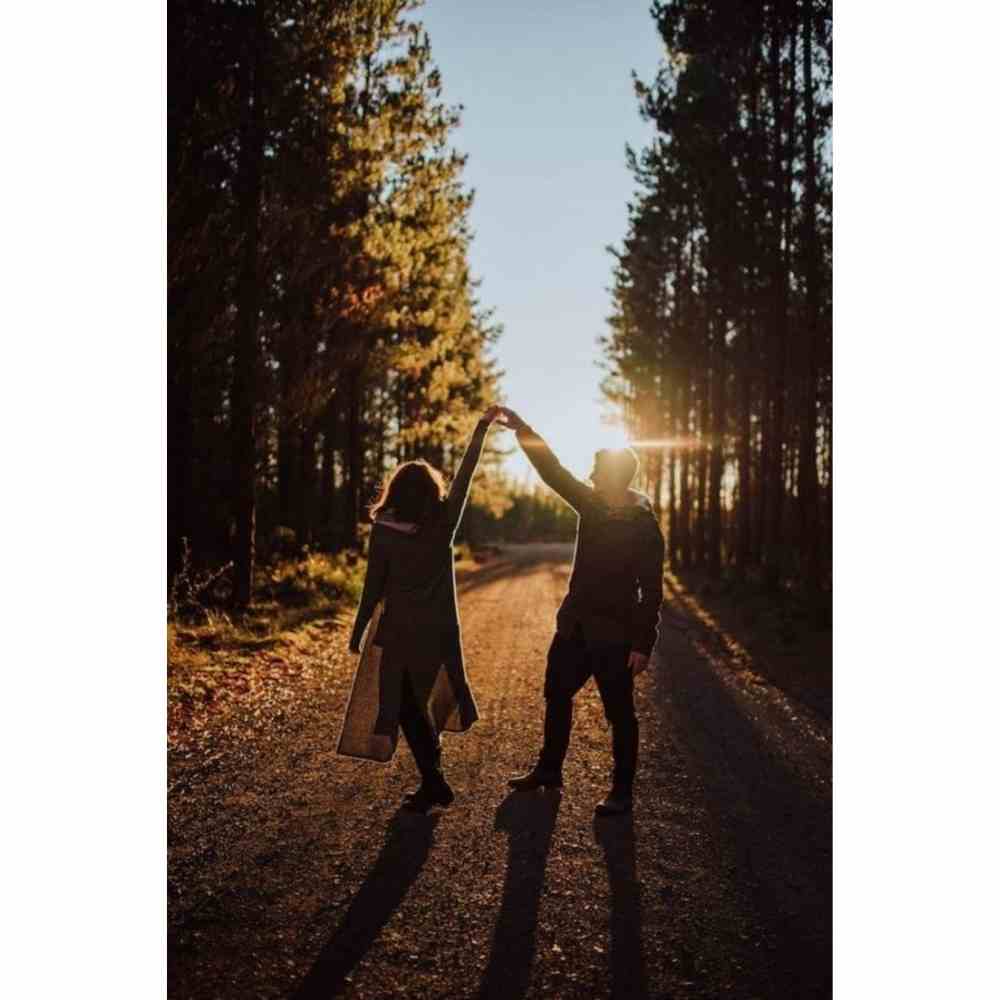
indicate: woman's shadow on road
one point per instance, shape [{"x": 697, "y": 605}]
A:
[{"x": 407, "y": 845}]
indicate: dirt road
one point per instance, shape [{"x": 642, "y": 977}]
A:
[{"x": 293, "y": 875}]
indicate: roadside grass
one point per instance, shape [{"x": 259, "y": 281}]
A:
[
  {"x": 218, "y": 661},
  {"x": 287, "y": 594}
]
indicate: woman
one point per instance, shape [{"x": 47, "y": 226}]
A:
[{"x": 411, "y": 673}]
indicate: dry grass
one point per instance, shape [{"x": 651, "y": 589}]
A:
[{"x": 218, "y": 663}]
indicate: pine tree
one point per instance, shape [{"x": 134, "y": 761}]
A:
[
  {"x": 322, "y": 319},
  {"x": 729, "y": 235}
]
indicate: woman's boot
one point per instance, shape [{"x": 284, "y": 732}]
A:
[{"x": 434, "y": 790}]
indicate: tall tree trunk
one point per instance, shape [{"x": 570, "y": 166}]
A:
[
  {"x": 701, "y": 524},
  {"x": 756, "y": 391},
  {"x": 808, "y": 492},
  {"x": 672, "y": 503},
  {"x": 657, "y": 464},
  {"x": 180, "y": 447},
  {"x": 352, "y": 457},
  {"x": 400, "y": 418},
  {"x": 766, "y": 429},
  {"x": 306, "y": 505},
  {"x": 761, "y": 390},
  {"x": 288, "y": 431},
  {"x": 326, "y": 491},
  {"x": 244, "y": 395},
  {"x": 718, "y": 445},
  {"x": 782, "y": 212},
  {"x": 828, "y": 525},
  {"x": 684, "y": 534},
  {"x": 381, "y": 432},
  {"x": 745, "y": 510}
]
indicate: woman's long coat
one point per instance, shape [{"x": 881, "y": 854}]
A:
[{"x": 408, "y": 617}]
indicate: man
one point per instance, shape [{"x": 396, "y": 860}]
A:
[{"x": 606, "y": 625}]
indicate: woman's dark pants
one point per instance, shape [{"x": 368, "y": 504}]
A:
[
  {"x": 571, "y": 662},
  {"x": 423, "y": 741}
]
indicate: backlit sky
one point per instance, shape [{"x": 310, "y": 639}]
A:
[{"x": 548, "y": 109}]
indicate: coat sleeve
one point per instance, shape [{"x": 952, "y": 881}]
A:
[
  {"x": 374, "y": 589},
  {"x": 650, "y": 579},
  {"x": 576, "y": 493},
  {"x": 459, "y": 492}
]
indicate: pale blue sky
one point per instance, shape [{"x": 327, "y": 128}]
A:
[{"x": 549, "y": 107}]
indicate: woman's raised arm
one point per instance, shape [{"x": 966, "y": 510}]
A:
[{"x": 459, "y": 492}]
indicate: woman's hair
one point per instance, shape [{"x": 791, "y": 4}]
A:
[{"x": 414, "y": 493}]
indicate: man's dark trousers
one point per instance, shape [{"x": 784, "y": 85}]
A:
[{"x": 571, "y": 662}]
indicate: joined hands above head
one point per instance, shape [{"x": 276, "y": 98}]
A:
[
  {"x": 510, "y": 419},
  {"x": 502, "y": 416}
]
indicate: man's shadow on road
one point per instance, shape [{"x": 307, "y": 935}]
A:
[
  {"x": 529, "y": 819},
  {"x": 616, "y": 835},
  {"x": 407, "y": 845}
]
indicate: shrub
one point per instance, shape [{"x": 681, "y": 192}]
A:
[
  {"x": 193, "y": 591},
  {"x": 316, "y": 577}
]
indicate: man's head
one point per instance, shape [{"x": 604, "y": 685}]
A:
[{"x": 614, "y": 470}]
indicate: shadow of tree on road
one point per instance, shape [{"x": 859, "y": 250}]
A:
[
  {"x": 776, "y": 822},
  {"x": 529, "y": 819},
  {"x": 408, "y": 842},
  {"x": 616, "y": 835}
]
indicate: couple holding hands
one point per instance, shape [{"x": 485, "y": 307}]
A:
[{"x": 411, "y": 674}]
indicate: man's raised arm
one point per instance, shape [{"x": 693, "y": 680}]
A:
[{"x": 576, "y": 493}]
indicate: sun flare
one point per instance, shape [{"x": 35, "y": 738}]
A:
[{"x": 653, "y": 444}]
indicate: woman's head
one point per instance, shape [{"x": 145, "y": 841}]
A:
[{"x": 413, "y": 493}]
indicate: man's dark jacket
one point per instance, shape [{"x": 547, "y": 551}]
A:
[{"x": 616, "y": 587}]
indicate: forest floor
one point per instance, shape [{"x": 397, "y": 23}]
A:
[{"x": 293, "y": 874}]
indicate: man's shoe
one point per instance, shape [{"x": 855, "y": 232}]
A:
[
  {"x": 536, "y": 778},
  {"x": 426, "y": 796},
  {"x": 616, "y": 804}
]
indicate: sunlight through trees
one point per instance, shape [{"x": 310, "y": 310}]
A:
[{"x": 721, "y": 330}]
